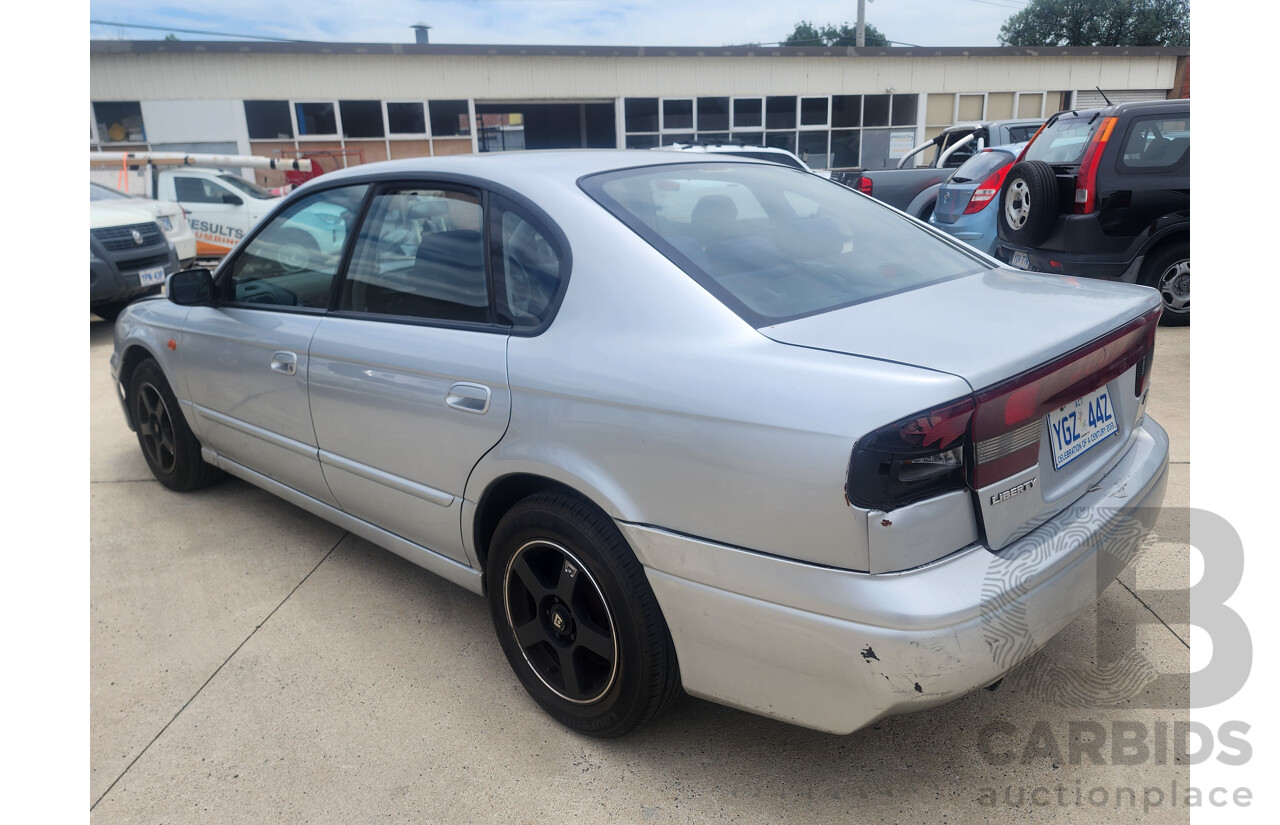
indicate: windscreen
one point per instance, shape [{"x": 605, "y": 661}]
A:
[
  {"x": 1062, "y": 143},
  {"x": 98, "y": 192},
  {"x": 775, "y": 244},
  {"x": 253, "y": 190}
]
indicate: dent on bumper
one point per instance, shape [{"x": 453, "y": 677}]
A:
[{"x": 836, "y": 650}]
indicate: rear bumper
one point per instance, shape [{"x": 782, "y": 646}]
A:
[
  {"x": 836, "y": 650},
  {"x": 1079, "y": 247},
  {"x": 978, "y": 230}
]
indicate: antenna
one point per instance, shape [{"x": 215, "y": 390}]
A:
[{"x": 1104, "y": 95}]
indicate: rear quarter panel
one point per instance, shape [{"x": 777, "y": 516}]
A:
[{"x": 650, "y": 397}]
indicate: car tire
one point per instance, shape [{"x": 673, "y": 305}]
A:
[
  {"x": 1028, "y": 204},
  {"x": 1169, "y": 272},
  {"x": 299, "y": 252},
  {"x": 576, "y": 617},
  {"x": 169, "y": 447}
]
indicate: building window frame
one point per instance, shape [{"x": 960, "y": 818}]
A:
[
  {"x": 955, "y": 106},
  {"x": 294, "y": 103},
  {"x": 663, "y": 128},
  {"x": 734, "y": 126},
  {"x": 1017, "y": 103},
  {"x": 426, "y": 120}
]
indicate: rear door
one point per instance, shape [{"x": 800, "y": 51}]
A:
[
  {"x": 1150, "y": 175},
  {"x": 408, "y": 374}
]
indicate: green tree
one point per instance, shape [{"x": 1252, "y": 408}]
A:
[
  {"x": 807, "y": 34},
  {"x": 1099, "y": 23}
]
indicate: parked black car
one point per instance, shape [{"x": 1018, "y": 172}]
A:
[{"x": 1106, "y": 193}]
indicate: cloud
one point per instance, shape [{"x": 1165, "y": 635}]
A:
[{"x": 556, "y": 22}]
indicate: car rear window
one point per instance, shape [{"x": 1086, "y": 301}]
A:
[
  {"x": 1063, "y": 142},
  {"x": 775, "y": 244},
  {"x": 978, "y": 167}
]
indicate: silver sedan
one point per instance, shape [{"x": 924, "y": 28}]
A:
[{"x": 685, "y": 422}]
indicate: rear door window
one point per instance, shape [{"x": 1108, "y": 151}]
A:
[
  {"x": 420, "y": 254},
  {"x": 529, "y": 265},
  {"x": 1156, "y": 144}
]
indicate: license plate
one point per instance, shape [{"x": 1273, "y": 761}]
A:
[
  {"x": 1021, "y": 260},
  {"x": 1075, "y": 428},
  {"x": 153, "y": 275},
  {"x": 165, "y": 223}
]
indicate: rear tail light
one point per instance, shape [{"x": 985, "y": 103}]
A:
[
  {"x": 1143, "y": 378},
  {"x": 987, "y": 190},
  {"x": 1087, "y": 177},
  {"x": 915, "y": 458},
  {"x": 864, "y": 185},
  {"x": 1010, "y": 415},
  {"x": 994, "y": 434}
]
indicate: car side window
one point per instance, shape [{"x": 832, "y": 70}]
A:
[
  {"x": 293, "y": 260},
  {"x": 1017, "y": 134},
  {"x": 528, "y": 266},
  {"x": 198, "y": 190},
  {"x": 1156, "y": 144},
  {"x": 420, "y": 254}
]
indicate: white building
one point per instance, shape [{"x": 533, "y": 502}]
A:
[{"x": 837, "y": 107}]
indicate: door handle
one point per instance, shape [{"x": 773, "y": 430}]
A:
[
  {"x": 285, "y": 363},
  {"x": 472, "y": 398}
]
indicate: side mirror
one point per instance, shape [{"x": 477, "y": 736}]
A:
[
  {"x": 191, "y": 287},
  {"x": 232, "y": 200}
]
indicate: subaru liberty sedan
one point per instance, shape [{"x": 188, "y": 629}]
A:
[{"x": 687, "y": 423}]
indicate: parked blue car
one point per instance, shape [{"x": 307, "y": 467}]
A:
[{"x": 966, "y": 207}]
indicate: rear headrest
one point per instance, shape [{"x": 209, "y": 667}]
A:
[
  {"x": 714, "y": 208},
  {"x": 457, "y": 247}
]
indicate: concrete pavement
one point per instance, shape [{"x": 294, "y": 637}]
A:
[{"x": 251, "y": 663}]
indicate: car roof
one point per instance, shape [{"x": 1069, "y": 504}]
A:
[
  {"x": 987, "y": 124},
  {"x": 1129, "y": 105},
  {"x": 522, "y": 168}
]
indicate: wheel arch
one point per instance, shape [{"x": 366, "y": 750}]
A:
[
  {"x": 134, "y": 355},
  {"x": 503, "y": 492},
  {"x": 1167, "y": 236},
  {"x": 925, "y": 201}
]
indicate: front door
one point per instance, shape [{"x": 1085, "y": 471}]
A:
[
  {"x": 246, "y": 360},
  {"x": 219, "y": 216}
]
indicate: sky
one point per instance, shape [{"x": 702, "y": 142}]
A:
[{"x": 555, "y": 22}]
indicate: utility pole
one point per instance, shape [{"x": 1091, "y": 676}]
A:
[{"x": 860, "y": 38}]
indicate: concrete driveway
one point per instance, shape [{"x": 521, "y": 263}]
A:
[{"x": 251, "y": 663}]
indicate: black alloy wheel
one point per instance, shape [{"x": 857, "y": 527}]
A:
[
  {"x": 155, "y": 429},
  {"x": 577, "y": 618},
  {"x": 561, "y": 621},
  {"x": 171, "y": 450}
]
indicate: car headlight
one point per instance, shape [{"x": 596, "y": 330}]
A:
[{"x": 165, "y": 223}]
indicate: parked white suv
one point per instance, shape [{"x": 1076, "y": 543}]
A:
[{"x": 170, "y": 216}]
